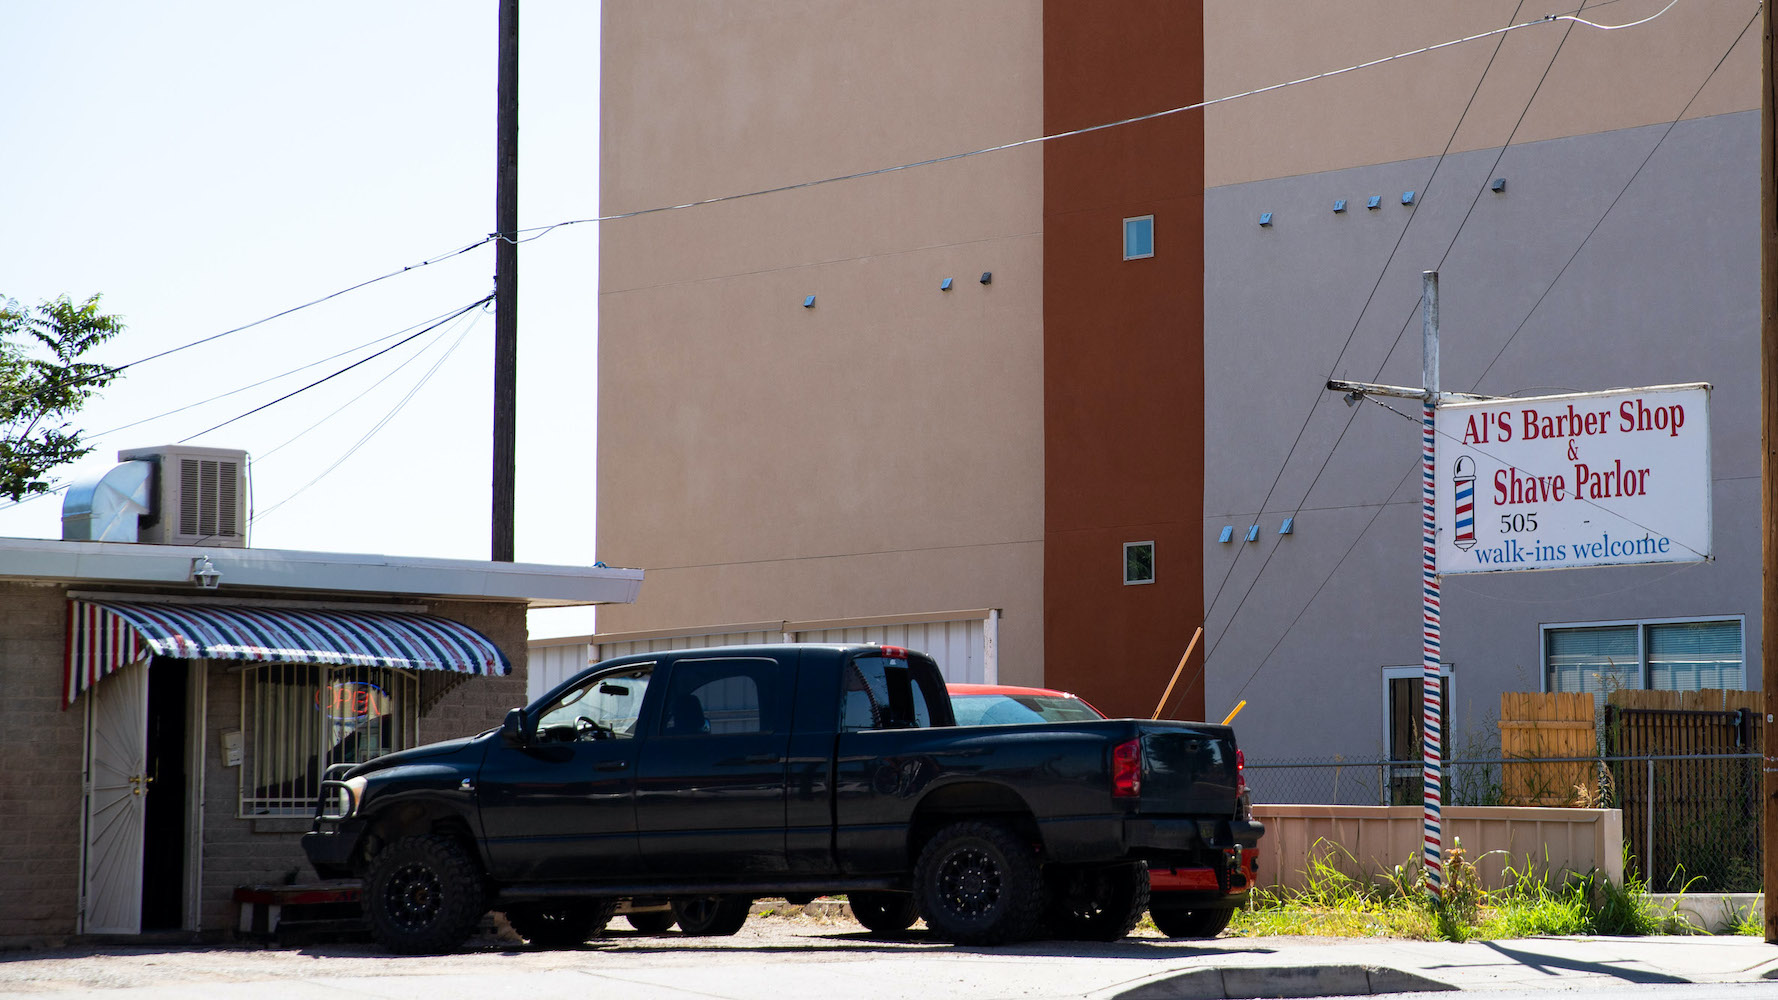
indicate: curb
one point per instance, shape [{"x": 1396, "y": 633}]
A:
[{"x": 1252, "y": 983}]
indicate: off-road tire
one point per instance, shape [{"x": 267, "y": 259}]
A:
[
  {"x": 423, "y": 895},
  {"x": 1179, "y": 922},
  {"x": 651, "y": 921},
  {"x": 1099, "y": 904},
  {"x": 979, "y": 883},
  {"x": 711, "y": 916},
  {"x": 886, "y": 913},
  {"x": 560, "y": 925}
]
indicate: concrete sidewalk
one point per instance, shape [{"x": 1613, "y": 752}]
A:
[{"x": 798, "y": 956}]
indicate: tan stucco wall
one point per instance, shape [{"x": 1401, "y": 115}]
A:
[
  {"x": 880, "y": 453},
  {"x": 1599, "y": 81}
]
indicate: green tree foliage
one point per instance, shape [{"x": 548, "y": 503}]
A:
[{"x": 43, "y": 383}]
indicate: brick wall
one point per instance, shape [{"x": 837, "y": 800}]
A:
[{"x": 41, "y": 746}]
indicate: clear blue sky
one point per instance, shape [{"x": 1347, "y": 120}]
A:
[{"x": 208, "y": 164}]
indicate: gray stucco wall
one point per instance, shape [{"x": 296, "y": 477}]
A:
[{"x": 1666, "y": 290}]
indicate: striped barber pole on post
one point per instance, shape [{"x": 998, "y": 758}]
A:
[
  {"x": 104, "y": 636},
  {"x": 1432, "y": 741}
]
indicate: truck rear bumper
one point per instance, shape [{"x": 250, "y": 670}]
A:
[{"x": 1144, "y": 833}]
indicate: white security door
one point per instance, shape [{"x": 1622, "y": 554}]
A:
[{"x": 116, "y": 783}]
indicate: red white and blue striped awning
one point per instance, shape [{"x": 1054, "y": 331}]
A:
[{"x": 106, "y": 635}]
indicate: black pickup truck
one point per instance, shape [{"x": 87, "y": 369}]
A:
[{"x": 710, "y": 777}]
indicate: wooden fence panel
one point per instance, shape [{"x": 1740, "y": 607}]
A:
[
  {"x": 1539, "y": 725},
  {"x": 1689, "y": 819}
]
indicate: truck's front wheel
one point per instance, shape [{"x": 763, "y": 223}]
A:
[
  {"x": 978, "y": 883},
  {"x": 423, "y": 895}
]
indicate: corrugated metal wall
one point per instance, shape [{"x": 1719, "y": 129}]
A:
[{"x": 960, "y": 647}]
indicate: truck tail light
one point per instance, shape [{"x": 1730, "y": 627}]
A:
[
  {"x": 1240, "y": 770},
  {"x": 1126, "y": 769},
  {"x": 895, "y": 652}
]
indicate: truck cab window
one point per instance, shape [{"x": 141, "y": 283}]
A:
[
  {"x": 882, "y": 692},
  {"x": 603, "y": 707},
  {"x": 720, "y": 696}
]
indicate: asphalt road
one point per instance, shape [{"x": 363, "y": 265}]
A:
[{"x": 780, "y": 956}]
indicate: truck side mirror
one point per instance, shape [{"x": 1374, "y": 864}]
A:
[{"x": 512, "y": 731}]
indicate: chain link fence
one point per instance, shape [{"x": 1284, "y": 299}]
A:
[{"x": 1691, "y": 822}]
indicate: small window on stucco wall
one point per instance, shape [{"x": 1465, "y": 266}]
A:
[
  {"x": 1138, "y": 562},
  {"x": 1139, "y": 237}
]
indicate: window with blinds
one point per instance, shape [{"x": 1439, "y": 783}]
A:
[
  {"x": 1661, "y": 655},
  {"x": 302, "y": 717}
]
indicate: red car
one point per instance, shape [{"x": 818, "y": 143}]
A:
[{"x": 1177, "y": 903}]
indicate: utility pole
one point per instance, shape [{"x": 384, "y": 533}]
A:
[
  {"x": 1432, "y": 789},
  {"x": 506, "y": 283},
  {"x": 1768, "y": 301}
]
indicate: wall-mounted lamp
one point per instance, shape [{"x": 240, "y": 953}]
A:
[
  {"x": 1498, "y": 185},
  {"x": 809, "y": 302},
  {"x": 1265, "y": 218},
  {"x": 1375, "y": 202},
  {"x": 1340, "y": 205},
  {"x": 945, "y": 285},
  {"x": 987, "y": 277},
  {"x": 1253, "y": 533},
  {"x": 1407, "y": 197},
  {"x": 206, "y": 576},
  {"x": 1288, "y": 525},
  {"x": 1228, "y": 534}
]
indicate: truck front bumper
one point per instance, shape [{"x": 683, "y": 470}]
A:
[{"x": 330, "y": 850}]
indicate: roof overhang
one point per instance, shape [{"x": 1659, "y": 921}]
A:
[{"x": 535, "y": 585}]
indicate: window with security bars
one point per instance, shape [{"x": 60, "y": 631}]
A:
[
  {"x": 302, "y": 717},
  {"x": 1688, "y": 655}
]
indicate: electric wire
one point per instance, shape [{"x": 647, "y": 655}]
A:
[
  {"x": 237, "y": 391},
  {"x": 1614, "y": 202},
  {"x": 1739, "y": 36},
  {"x": 336, "y": 373},
  {"x": 538, "y": 231},
  {"x": 391, "y": 373},
  {"x": 1320, "y": 393},
  {"x": 378, "y": 426}
]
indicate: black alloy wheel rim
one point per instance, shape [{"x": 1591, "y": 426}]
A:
[
  {"x": 969, "y": 883},
  {"x": 414, "y": 896}
]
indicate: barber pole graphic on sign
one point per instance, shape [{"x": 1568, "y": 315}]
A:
[{"x": 1463, "y": 487}]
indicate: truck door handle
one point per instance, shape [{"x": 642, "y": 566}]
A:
[
  {"x": 610, "y": 765},
  {"x": 761, "y": 758}
]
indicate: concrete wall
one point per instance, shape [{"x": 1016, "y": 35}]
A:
[
  {"x": 1368, "y": 842},
  {"x": 44, "y": 744},
  {"x": 880, "y": 453},
  {"x": 1663, "y": 289}
]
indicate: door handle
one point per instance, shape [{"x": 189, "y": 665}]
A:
[
  {"x": 610, "y": 765},
  {"x": 761, "y": 758}
]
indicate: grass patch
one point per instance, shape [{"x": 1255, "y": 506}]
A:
[{"x": 1399, "y": 904}]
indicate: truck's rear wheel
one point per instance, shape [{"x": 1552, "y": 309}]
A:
[
  {"x": 1099, "y": 904},
  {"x": 978, "y": 883},
  {"x": 711, "y": 916},
  {"x": 1179, "y": 922},
  {"x": 423, "y": 895},
  {"x": 888, "y": 913},
  {"x": 560, "y": 925}
]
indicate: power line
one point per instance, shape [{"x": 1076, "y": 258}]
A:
[{"x": 337, "y": 373}]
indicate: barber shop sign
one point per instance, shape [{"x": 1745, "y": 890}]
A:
[{"x": 1588, "y": 479}]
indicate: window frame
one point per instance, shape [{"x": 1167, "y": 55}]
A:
[
  {"x": 1642, "y": 626},
  {"x": 1152, "y": 573},
  {"x": 258, "y": 731},
  {"x": 1149, "y": 219}
]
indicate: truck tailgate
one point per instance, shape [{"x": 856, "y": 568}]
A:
[{"x": 1187, "y": 768}]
